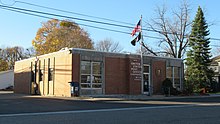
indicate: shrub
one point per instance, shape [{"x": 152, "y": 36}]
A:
[{"x": 168, "y": 88}]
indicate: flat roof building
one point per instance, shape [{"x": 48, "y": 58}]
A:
[{"x": 88, "y": 72}]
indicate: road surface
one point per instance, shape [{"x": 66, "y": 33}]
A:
[{"x": 41, "y": 110}]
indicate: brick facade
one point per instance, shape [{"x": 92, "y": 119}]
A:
[
  {"x": 158, "y": 75},
  {"x": 61, "y": 64},
  {"x": 116, "y": 76},
  {"x": 121, "y": 73}
]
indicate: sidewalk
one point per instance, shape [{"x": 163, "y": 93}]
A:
[
  {"x": 130, "y": 97},
  {"x": 11, "y": 95},
  {"x": 138, "y": 97}
]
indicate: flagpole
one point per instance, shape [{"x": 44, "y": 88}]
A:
[{"x": 141, "y": 43}]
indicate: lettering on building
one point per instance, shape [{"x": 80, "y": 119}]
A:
[{"x": 135, "y": 69}]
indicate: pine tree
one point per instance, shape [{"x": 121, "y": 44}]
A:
[{"x": 198, "y": 57}]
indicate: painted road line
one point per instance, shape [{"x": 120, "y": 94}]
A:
[
  {"x": 91, "y": 111},
  {"x": 167, "y": 103}
]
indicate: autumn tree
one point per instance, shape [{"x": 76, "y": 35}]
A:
[
  {"x": 173, "y": 31},
  {"x": 12, "y": 54},
  {"x": 107, "y": 45},
  {"x": 3, "y": 65},
  {"x": 55, "y": 34},
  {"x": 198, "y": 57}
]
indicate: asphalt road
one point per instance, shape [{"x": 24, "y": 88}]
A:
[{"x": 40, "y": 110}]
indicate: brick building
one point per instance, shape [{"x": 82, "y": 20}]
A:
[{"x": 97, "y": 73}]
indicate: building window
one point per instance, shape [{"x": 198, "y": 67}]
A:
[
  {"x": 91, "y": 74},
  {"x": 146, "y": 79},
  {"x": 32, "y": 76},
  {"x": 41, "y": 75},
  {"x": 50, "y": 74},
  {"x": 173, "y": 73},
  {"x": 176, "y": 77},
  {"x": 170, "y": 73},
  {"x": 33, "y": 72}
]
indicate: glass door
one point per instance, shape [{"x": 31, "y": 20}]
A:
[
  {"x": 146, "y": 84},
  {"x": 146, "y": 79}
]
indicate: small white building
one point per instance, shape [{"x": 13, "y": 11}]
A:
[{"x": 6, "y": 79}]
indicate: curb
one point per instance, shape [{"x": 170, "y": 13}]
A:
[{"x": 11, "y": 94}]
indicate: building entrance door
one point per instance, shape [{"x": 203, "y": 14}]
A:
[
  {"x": 146, "y": 84},
  {"x": 146, "y": 80}
]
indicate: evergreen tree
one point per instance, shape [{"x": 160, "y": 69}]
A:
[{"x": 198, "y": 57}]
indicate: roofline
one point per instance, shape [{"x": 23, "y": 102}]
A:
[
  {"x": 62, "y": 50},
  {"x": 123, "y": 53},
  {"x": 80, "y": 49},
  {"x": 216, "y": 57},
  {"x": 4, "y": 72}
]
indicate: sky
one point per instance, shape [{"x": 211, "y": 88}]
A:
[{"x": 18, "y": 29}]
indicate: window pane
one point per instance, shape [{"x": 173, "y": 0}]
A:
[
  {"x": 85, "y": 85},
  {"x": 176, "y": 72},
  {"x": 85, "y": 67},
  {"x": 169, "y": 72},
  {"x": 85, "y": 78},
  {"x": 96, "y": 86},
  {"x": 41, "y": 75},
  {"x": 32, "y": 76},
  {"x": 146, "y": 77},
  {"x": 177, "y": 83},
  {"x": 50, "y": 74},
  {"x": 96, "y": 66},
  {"x": 97, "y": 79},
  {"x": 146, "y": 69}
]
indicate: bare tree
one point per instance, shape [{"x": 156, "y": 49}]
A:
[
  {"x": 146, "y": 51},
  {"x": 173, "y": 31},
  {"x": 107, "y": 45},
  {"x": 30, "y": 52}
]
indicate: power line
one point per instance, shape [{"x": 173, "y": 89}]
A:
[
  {"x": 57, "y": 15},
  {"x": 87, "y": 20},
  {"x": 80, "y": 19},
  {"x": 50, "y": 8},
  {"x": 215, "y": 45},
  {"x": 19, "y": 11},
  {"x": 80, "y": 14},
  {"x": 215, "y": 39}
]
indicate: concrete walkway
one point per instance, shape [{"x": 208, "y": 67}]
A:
[
  {"x": 12, "y": 95},
  {"x": 139, "y": 97}
]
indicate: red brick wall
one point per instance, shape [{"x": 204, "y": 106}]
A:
[
  {"x": 76, "y": 68},
  {"x": 159, "y": 75},
  {"x": 116, "y": 75},
  {"x": 118, "y": 78},
  {"x": 134, "y": 76}
]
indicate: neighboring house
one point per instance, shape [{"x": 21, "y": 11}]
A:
[
  {"x": 215, "y": 66},
  {"x": 95, "y": 73},
  {"x": 6, "y": 79}
]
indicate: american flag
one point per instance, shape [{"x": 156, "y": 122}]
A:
[{"x": 137, "y": 28}]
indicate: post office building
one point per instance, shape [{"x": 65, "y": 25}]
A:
[{"x": 75, "y": 71}]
